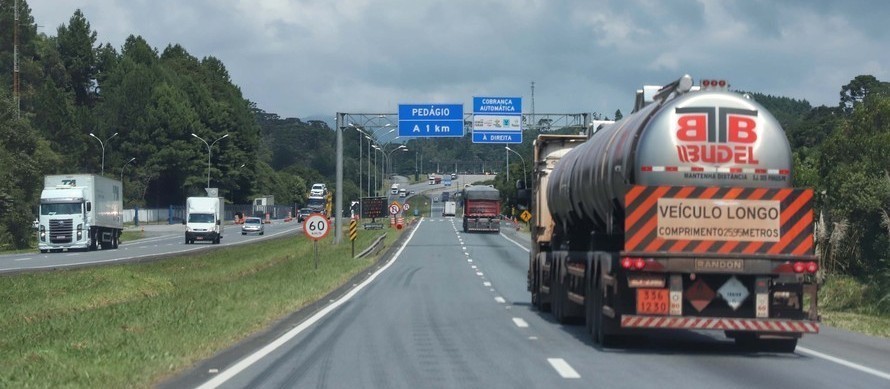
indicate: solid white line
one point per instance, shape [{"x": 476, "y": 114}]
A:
[
  {"x": 23, "y": 259},
  {"x": 500, "y": 299},
  {"x": 516, "y": 243},
  {"x": 520, "y": 323},
  {"x": 844, "y": 362},
  {"x": 563, "y": 368},
  {"x": 261, "y": 353}
]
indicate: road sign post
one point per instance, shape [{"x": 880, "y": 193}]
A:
[
  {"x": 497, "y": 120},
  {"x": 316, "y": 227},
  {"x": 431, "y": 120}
]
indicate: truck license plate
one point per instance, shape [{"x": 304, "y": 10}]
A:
[{"x": 652, "y": 301}]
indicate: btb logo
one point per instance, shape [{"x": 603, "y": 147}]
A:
[{"x": 716, "y": 135}]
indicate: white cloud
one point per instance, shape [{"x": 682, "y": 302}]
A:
[{"x": 300, "y": 58}]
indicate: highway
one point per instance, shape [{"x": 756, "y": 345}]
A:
[
  {"x": 450, "y": 310},
  {"x": 160, "y": 240}
]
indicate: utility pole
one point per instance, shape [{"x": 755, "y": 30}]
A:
[{"x": 15, "y": 62}]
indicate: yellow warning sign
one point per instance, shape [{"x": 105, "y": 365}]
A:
[
  {"x": 353, "y": 229},
  {"x": 525, "y": 216}
]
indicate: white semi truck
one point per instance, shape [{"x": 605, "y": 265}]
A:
[
  {"x": 79, "y": 211},
  {"x": 204, "y": 219}
]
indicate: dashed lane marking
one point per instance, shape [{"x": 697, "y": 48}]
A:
[
  {"x": 563, "y": 368},
  {"x": 500, "y": 299},
  {"x": 520, "y": 323}
]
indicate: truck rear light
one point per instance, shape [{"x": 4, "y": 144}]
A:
[
  {"x": 627, "y": 263},
  {"x": 812, "y": 267},
  {"x": 799, "y": 267},
  {"x": 639, "y": 263}
]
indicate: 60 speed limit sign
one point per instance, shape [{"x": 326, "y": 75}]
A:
[{"x": 316, "y": 226}]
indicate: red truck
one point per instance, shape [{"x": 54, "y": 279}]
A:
[{"x": 482, "y": 208}]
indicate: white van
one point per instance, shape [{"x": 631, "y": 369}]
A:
[
  {"x": 403, "y": 193},
  {"x": 394, "y": 189}
]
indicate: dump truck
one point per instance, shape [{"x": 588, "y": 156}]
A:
[
  {"x": 681, "y": 216},
  {"x": 79, "y": 211},
  {"x": 481, "y": 209}
]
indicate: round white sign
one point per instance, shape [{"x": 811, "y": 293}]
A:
[
  {"x": 316, "y": 226},
  {"x": 406, "y": 206}
]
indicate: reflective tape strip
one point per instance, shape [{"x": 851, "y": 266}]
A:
[{"x": 715, "y": 323}]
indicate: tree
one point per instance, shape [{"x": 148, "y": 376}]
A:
[
  {"x": 859, "y": 89},
  {"x": 76, "y": 44}
]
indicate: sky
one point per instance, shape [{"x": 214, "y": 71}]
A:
[{"x": 312, "y": 58}]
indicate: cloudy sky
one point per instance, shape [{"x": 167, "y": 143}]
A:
[{"x": 301, "y": 58}]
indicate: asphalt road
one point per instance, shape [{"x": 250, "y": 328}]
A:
[
  {"x": 159, "y": 240},
  {"x": 450, "y": 310}
]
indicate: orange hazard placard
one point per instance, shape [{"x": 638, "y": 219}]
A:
[{"x": 719, "y": 220}]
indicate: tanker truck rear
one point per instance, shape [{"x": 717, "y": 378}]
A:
[{"x": 680, "y": 216}]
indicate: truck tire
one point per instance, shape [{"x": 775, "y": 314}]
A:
[
  {"x": 115, "y": 240},
  {"x": 186, "y": 240}
]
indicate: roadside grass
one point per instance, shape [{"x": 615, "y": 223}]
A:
[
  {"x": 133, "y": 325},
  {"x": 857, "y": 305}
]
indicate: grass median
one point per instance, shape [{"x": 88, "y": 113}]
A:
[{"x": 135, "y": 324}]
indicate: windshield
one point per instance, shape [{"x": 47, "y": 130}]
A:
[
  {"x": 60, "y": 209},
  {"x": 201, "y": 218},
  {"x": 315, "y": 202},
  {"x": 252, "y": 221}
]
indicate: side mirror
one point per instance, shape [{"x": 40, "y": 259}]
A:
[
  {"x": 218, "y": 222},
  {"x": 89, "y": 206},
  {"x": 183, "y": 221}
]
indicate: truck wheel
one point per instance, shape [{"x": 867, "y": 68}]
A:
[
  {"x": 115, "y": 241},
  {"x": 186, "y": 240}
]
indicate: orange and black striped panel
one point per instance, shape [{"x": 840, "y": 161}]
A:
[{"x": 687, "y": 219}]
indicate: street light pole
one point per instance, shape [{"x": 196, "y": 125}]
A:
[
  {"x": 102, "y": 144},
  {"x": 125, "y": 165},
  {"x": 524, "y": 176},
  {"x": 209, "y": 153}
]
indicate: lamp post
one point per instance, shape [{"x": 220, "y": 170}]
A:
[
  {"x": 524, "y": 176},
  {"x": 125, "y": 165},
  {"x": 209, "y": 152},
  {"x": 388, "y": 165},
  {"x": 102, "y": 144}
]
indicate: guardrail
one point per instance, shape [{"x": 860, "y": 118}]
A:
[{"x": 372, "y": 249}]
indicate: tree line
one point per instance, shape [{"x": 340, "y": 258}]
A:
[{"x": 72, "y": 86}]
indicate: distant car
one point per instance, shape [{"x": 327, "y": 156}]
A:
[
  {"x": 253, "y": 225},
  {"x": 453, "y": 176},
  {"x": 318, "y": 190},
  {"x": 302, "y": 214}
]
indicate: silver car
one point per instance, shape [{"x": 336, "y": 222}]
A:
[{"x": 253, "y": 225}]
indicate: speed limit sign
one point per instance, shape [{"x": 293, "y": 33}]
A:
[{"x": 316, "y": 226}]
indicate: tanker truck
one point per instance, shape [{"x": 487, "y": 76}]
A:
[{"x": 681, "y": 216}]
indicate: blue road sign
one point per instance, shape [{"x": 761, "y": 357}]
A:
[
  {"x": 497, "y": 120},
  {"x": 431, "y": 120}
]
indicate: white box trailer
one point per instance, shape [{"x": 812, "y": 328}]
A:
[
  {"x": 204, "y": 219},
  {"x": 79, "y": 211},
  {"x": 450, "y": 208}
]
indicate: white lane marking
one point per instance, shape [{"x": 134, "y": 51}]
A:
[
  {"x": 479, "y": 273},
  {"x": 532, "y": 338},
  {"x": 464, "y": 247},
  {"x": 486, "y": 283},
  {"x": 23, "y": 259},
  {"x": 844, "y": 362},
  {"x": 520, "y": 323},
  {"x": 563, "y": 368},
  {"x": 500, "y": 299},
  {"x": 469, "y": 260},
  {"x": 516, "y": 243},
  {"x": 269, "y": 348},
  {"x": 474, "y": 266}
]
